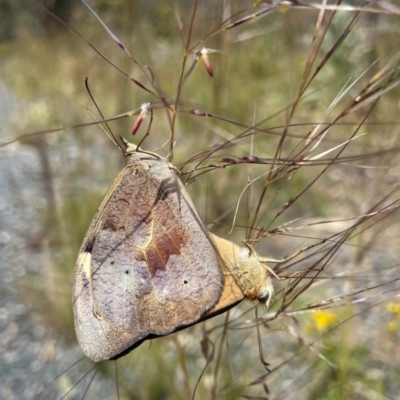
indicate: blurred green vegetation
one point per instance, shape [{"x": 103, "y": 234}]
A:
[{"x": 256, "y": 77}]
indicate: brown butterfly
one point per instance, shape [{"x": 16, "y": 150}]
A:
[{"x": 148, "y": 267}]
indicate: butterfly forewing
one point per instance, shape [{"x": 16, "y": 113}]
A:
[{"x": 146, "y": 266}]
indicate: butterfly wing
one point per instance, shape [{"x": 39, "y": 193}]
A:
[{"x": 146, "y": 266}]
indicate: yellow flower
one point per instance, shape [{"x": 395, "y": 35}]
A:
[
  {"x": 324, "y": 319},
  {"x": 394, "y": 308}
]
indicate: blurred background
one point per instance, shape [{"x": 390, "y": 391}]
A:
[{"x": 301, "y": 149}]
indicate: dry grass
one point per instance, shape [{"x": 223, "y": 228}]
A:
[{"x": 295, "y": 146}]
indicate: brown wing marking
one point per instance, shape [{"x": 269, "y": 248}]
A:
[{"x": 167, "y": 238}]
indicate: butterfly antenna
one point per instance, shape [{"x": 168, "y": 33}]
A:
[
  {"x": 110, "y": 134},
  {"x": 260, "y": 348}
]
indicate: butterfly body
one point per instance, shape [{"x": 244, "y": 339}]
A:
[{"x": 246, "y": 269}]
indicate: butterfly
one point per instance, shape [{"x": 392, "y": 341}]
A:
[{"x": 148, "y": 267}]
